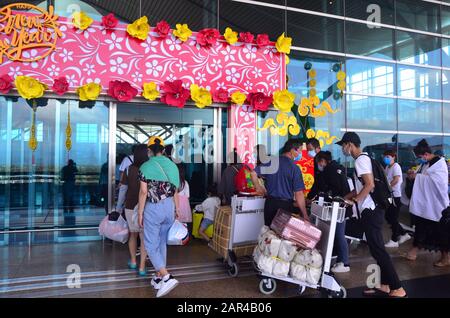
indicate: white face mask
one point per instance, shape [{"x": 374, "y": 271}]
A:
[
  {"x": 345, "y": 151},
  {"x": 320, "y": 168}
]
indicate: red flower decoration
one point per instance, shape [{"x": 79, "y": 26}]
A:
[
  {"x": 262, "y": 40},
  {"x": 60, "y": 85},
  {"x": 208, "y": 37},
  {"x": 162, "y": 28},
  {"x": 174, "y": 93},
  {"x": 5, "y": 83},
  {"x": 246, "y": 37},
  {"x": 122, "y": 91},
  {"x": 220, "y": 96},
  {"x": 259, "y": 101},
  {"x": 109, "y": 21}
]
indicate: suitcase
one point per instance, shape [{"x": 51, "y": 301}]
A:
[
  {"x": 197, "y": 218},
  {"x": 296, "y": 230}
]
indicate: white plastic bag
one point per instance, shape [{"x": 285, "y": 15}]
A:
[
  {"x": 114, "y": 230},
  {"x": 256, "y": 254},
  {"x": 313, "y": 275},
  {"x": 316, "y": 259},
  {"x": 287, "y": 251},
  {"x": 178, "y": 234},
  {"x": 298, "y": 272},
  {"x": 263, "y": 231},
  {"x": 281, "y": 268},
  {"x": 265, "y": 264},
  {"x": 303, "y": 257}
]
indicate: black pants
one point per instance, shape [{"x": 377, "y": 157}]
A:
[
  {"x": 392, "y": 218},
  {"x": 271, "y": 207},
  {"x": 373, "y": 223}
]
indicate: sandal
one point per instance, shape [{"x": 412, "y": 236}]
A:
[
  {"x": 409, "y": 257},
  {"x": 375, "y": 292},
  {"x": 392, "y": 296},
  {"x": 441, "y": 264}
]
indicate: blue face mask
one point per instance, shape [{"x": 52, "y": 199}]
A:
[
  {"x": 312, "y": 153},
  {"x": 299, "y": 156},
  {"x": 422, "y": 161},
  {"x": 387, "y": 161}
]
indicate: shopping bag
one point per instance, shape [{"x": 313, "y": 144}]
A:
[
  {"x": 114, "y": 230},
  {"x": 178, "y": 234}
]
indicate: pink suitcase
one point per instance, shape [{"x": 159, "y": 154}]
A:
[{"x": 296, "y": 230}]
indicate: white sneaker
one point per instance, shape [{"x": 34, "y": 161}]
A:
[
  {"x": 168, "y": 283},
  {"x": 156, "y": 282},
  {"x": 391, "y": 244},
  {"x": 340, "y": 268},
  {"x": 403, "y": 238}
]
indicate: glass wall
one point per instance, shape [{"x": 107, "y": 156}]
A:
[{"x": 52, "y": 186}]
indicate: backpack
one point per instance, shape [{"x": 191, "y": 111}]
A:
[{"x": 382, "y": 194}]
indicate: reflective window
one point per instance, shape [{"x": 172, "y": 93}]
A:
[
  {"x": 362, "y": 39},
  {"x": 365, "y": 112},
  {"x": 418, "y": 15},
  {"x": 419, "y": 115},
  {"x": 447, "y": 151},
  {"x": 418, "y": 48},
  {"x": 371, "y": 10},
  {"x": 445, "y": 52},
  {"x": 446, "y": 117},
  {"x": 368, "y": 77},
  {"x": 315, "y": 32},
  {"x": 446, "y": 85},
  {"x": 445, "y": 20},
  {"x": 406, "y": 144},
  {"x": 418, "y": 82},
  {"x": 327, "y": 6},
  {"x": 243, "y": 17}
]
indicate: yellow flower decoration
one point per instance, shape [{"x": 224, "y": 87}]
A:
[
  {"x": 89, "y": 91},
  {"x": 314, "y": 100},
  {"x": 341, "y": 75},
  {"x": 287, "y": 124},
  {"x": 139, "y": 29},
  {"x": 201, "y": 96},
  {"x": 81, "y": 20},
  {"x": 312, "y": 92},
  {"x": 283, "y": 44},
  {"x": 230, "y": 36},
  {"x": 312, "y": 73},
  {"x": 29, "y": 87},
  {"x": 312, "y": 83},
  {"x": 287, "y": 60},
  {"x": 182, "y": 32},
  {"x": 238, "y": 98},
  {"x": 283, "y": 100},
  {"x": 341, "y": 85},
  {"x": 150, "y": 91}
]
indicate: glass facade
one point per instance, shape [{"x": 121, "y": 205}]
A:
[{"x": 397, "y": 92}]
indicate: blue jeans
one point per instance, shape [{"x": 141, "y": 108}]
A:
[
  {"x": 341, "y": 244},
  {"x": 158, "y": 218}
]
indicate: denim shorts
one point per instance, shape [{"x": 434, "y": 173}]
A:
[{"x": 205, "y": 224}]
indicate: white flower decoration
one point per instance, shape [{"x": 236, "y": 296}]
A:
[
  {"x": 173, "y": 43},
  {"x": 14, "y": 71},
  {"x": 247, "y": 112},
  {"x": 71, "y": 80},
  {"x": 118, "y": 65},
  {"x": 221, "y": 85},
  {"x": 53, "y": 70},
  {"x": 66, "y": 55},
  {"x": 229, "y": 53},
  {"x": 31, "y": 55},
  {"x": 149, "y": 45},
  {"x": 216, "y": 64},
  {"x": 114, "y": 42},
  {"x": 248, "y": 85},
  {"x": 153, "y": 68},
  {"x": 232, "y": 75},
  {"x": 200, "y": 78},
  {"x": 182, "y": 66},
  {"x": 274, "y": 83},
  {"x": 95, "y": 80},
  {"x": 89, "y": 68},
  {"x": 241, "y": 138},
  {"x": 137, "y": 76},
  {"x": 250, "y": 51},
  {"x": 85, "y": 32},
  {"x": 171, "y": 78},
  {"x": 257, "y": 72}
]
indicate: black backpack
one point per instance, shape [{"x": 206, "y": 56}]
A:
[{"x": 382, "y": 194}]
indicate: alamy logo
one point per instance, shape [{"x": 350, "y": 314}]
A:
[
  {"x": 74, "y": 279},
  {"x": 374, "y": 17},
  {"x": 374, "y": 279}
]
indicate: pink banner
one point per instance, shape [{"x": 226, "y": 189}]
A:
[{"x": 97, "y": 55}]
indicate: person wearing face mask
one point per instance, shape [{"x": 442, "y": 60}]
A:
[
  {"x": 372, "y": 218},
  {"x": 332, "y": 180},
  {"x": 395, "y": 178},
  {"x": 283, "y": 183},
  {"x": 428, "y": 199},
  {"x": 313, "y": 147}
]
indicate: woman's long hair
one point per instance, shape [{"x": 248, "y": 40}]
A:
[
  {"x": 140, "y": 155},
  {"x": 182, "y": 176}
]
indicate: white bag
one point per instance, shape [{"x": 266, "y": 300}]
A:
[
  {"x": 281, "y": 268},
  {"x": 256, "y": 254},
  {"x": 114, "y": 230},
  {"x": 303, "y": 257},
  {"x": 263, "y": 231},
  {"x": 316, "y": 259},
  {"x": 287, "y": 251},
  {"x": 178, "y": 234},
  {"x": 298, "y": 272},
  {"x": 313, "y": 275},
  {"x": 265, "y": 264}
]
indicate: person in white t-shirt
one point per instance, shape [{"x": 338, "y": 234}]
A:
[
  {"x": 395, "y": 179},
  {"x": 126, "y": 162},
  {"x": 372, "y": 218},
  {"x": 209, "y": 208}
]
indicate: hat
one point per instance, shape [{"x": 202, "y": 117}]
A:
[
  {"x": 153, "y": 139},
  {"x": 350, "y": 136}
]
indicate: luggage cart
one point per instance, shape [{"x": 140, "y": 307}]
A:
[
  {"x": 327, "y": 215},
  {"x": 247, "y": 219}
]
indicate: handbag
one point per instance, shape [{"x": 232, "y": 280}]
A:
[
  {"x": 178, "y": 234},
  {"x": 116, "y": 230}
]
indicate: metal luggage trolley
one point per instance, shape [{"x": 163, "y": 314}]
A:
[
  {"x": 247, "y": 219},
  {"x": 326, "y": 215}
]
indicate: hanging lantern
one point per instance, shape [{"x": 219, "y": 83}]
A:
[
  {"x": 68, "y": 131},
  {"x": 307, "y": 66},
  {"x": 337, "y": 95},
  {"x": 32, "y": 142},
  {"x": 336, "y": 67}
]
